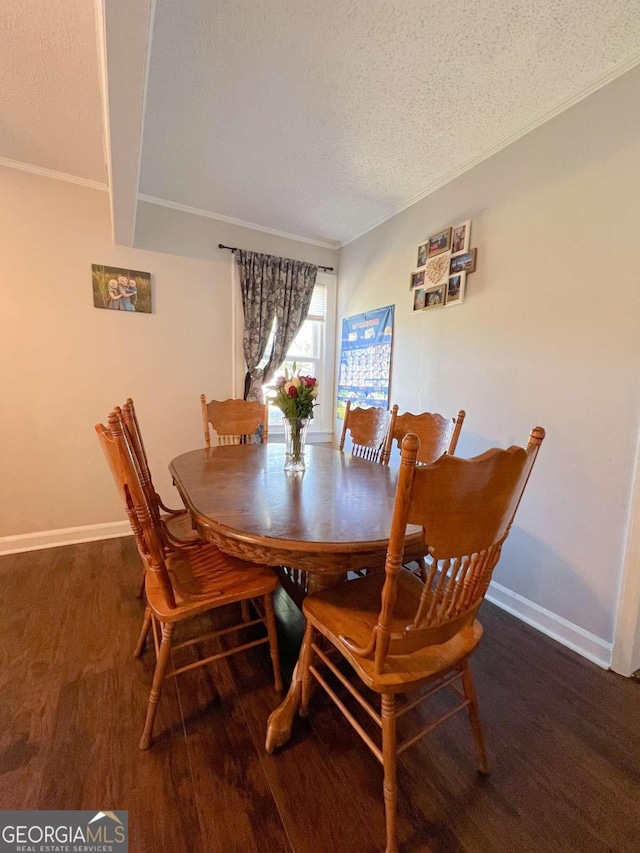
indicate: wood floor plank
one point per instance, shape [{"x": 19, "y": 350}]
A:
[
  {"x": 110, "y": 772},
  {"x": 316, "y": 808},
  {"x": 237, "y": 810},
  {"x": 563, "y": 735},
  {"x": 77, "y": 697},
  {"x": 359, "y": 771}
]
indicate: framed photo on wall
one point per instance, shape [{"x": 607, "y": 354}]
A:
[
  {"x": 422, "y": 254},
  {"x": 455, "y": 289},
  {"x": 440, "y": 242},
  {"x": 434, "y": 297},
  {"x": 120, "y": 289},
  {"x": 465, "y": 262},
  {"x": 417, "y": 279},
  {"x": 418, "y": 299},
  {"x": 461, "y": 238}
]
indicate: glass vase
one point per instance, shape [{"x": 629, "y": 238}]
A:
[{"x": 295, "y": 435}]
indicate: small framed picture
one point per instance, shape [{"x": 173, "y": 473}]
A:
[
  {"x": 422, "y": 255},
  {"x": 455, "y": 289},
  {"x": 434, "y": 297},
  {"x": 121, "y": 289},
  {"x": 461, "y": 237},
  {"x": 417, "y": 279},
  {"x": 437, "y": 270},
  {"x": 439, "y": 243},
  {"x": 418, "y": 299},
  {"x": 465, "y": 262}
]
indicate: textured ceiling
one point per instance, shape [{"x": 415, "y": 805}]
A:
[
  {"x": 319, "y": 118},
  {"x": 50, "y": 107},
  {"x": 313, "y": 118}
]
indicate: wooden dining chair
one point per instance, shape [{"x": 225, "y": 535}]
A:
[
  {"x": 399, "y": 634},
  {"x": 367, "y": 429},
  {"x": 235, "y": 421},
  {"x": 175, "y": 525},
  {"x": 184, "y": 583},
  {"x": 437, "y": 434}
]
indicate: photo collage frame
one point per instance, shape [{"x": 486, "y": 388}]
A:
[{"x": 444, "y": 261}]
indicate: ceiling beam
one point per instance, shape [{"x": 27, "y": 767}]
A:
[{"x": 124, "y": 46}]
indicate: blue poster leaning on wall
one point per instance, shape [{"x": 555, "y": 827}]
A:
[{"x": 365, "y": 359}]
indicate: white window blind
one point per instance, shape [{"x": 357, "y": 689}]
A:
[{"x": 318, "y": 307}]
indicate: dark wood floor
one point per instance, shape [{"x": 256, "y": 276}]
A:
[{"x": 564, "y": 736}]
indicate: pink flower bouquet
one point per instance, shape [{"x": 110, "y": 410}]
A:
[{"x": 295, "y": 394}]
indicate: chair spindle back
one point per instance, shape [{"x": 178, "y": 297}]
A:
[
  {"x": 121, "y": 458},
  {"x": 437, "y": 434},
  {"x": 235, "y": 421},
  {"x": 134, "y": 435},
  {"x": 466, "y": 508},
  {"x": 367, "y": 428}
]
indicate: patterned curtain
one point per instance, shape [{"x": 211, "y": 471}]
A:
[{"x": 274, "y": 290}]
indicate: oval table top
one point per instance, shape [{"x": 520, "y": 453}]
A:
[{"x": 333, "y": 517}]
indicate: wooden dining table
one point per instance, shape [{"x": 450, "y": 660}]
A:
[{"x": 333, "y": 518}]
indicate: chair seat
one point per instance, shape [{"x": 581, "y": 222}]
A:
[
  {"x": 180, "y": 526},
  {"x": 353, "y": 608},
  {"x": 205, "y": 577}
]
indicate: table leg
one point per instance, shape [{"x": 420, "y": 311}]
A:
[{"x": 281, "y": 719}]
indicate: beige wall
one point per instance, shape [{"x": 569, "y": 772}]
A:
[
  {"x": 548, "y": 334},
  {"x": 66, "y": 363}
]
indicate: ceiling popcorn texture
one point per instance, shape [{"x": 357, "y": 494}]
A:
[
  {"x": 314, "y": 119},
  {"x": 50, "y": 107}
]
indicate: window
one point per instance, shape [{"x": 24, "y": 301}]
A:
[{"x": 312, "y": 351}]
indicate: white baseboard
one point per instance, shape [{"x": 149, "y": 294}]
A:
[
  {"x": 575, "y": 638},
  {"x": 64, "y": 536}
]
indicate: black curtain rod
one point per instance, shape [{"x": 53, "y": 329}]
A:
[{"x": 235, "y": 249}]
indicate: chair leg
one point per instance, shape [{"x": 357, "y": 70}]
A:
[
  {"x": 140, "y": 590},
  {"x": 306, "y": 655},
  {"x": 244, "y": 607},
  {"x": 474, "y": 719},
  {"x": 144, "y": 632},
  {"x": 273, "y": 640},
  {"x": 389, "y": 760},
  {"x": 158, "y": 679}
]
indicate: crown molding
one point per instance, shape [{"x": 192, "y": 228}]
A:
[
  {"x": 197, "y": 211},
  {"x": 49, "y": 173},
  {"x": 559, "y": 107}
]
